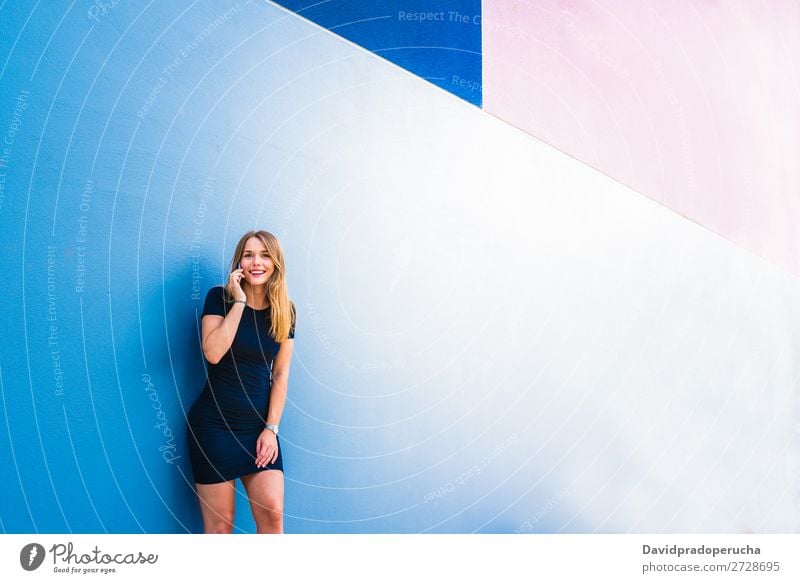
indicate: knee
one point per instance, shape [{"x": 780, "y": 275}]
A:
[
  {"x": 269, "y": 518},
  {"x": 219, "y": 524},
  {"x": 270, "y": 506}
]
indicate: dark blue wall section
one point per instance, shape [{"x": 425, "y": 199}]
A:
[{"x": 438, "y": 40}]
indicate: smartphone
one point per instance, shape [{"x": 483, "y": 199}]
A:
[{"x": 239, "y": 265}]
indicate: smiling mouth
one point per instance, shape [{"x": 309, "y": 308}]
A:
[{"x": 257, "y": 273}]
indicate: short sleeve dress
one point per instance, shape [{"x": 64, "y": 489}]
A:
[{"x": 228, "y": 416}]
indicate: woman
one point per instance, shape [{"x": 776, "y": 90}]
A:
[{"x": 247, "y": 329}]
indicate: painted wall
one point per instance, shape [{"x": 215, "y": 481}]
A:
[
  {"x": 693, "y": 104},
  {"x": 492, "y": 336},
  {"x": 438, "y": 40}
]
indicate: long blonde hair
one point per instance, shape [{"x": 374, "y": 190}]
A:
[{"x": 277, "y": 295}]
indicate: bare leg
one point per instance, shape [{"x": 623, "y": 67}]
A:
[
  {"x": 217, "y": 504},
  {"x": 265, "y": 491}
]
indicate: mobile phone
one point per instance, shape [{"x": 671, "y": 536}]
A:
[{"x": 239, "y": 265}]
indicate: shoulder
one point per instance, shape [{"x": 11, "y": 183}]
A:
[
  {"x": 215, "y": 303},
  {"x": 218, "y": 291}
]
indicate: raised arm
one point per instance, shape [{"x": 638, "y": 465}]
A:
[{"x": 219, "y": 332}]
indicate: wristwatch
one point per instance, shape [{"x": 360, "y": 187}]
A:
[{"x": 272, "y": 427}]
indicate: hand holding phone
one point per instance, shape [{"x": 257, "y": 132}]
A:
[{"x": 234, "y": 283}]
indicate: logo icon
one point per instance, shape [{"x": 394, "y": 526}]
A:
[{"x": 31, "y": 556}]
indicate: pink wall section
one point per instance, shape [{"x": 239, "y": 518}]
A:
[{"x": 694, "y": 104}]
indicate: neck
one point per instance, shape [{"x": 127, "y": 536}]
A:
[{"x": 256, "y": 296}]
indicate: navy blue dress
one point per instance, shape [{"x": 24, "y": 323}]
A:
[{"x": 229, "y": 415}]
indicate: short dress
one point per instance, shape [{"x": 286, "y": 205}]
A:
[{"x": 231, "y": 411}]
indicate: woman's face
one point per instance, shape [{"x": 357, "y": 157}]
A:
[{"x": 257, "y": 266}]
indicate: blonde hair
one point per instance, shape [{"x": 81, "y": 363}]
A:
[{"x": 282, "y": 310}]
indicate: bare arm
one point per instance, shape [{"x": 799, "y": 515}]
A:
[
  {"x": 267, "y": 443},
  {"x": 219, "y": 331},
  {"x": 280, "y": 382}
]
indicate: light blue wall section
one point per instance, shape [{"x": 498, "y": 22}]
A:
[{"x": 491, "y": 336}]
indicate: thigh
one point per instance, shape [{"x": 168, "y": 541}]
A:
[
  {"x": 265, "y": 490},
  {"x": 217, "y": 501}
]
